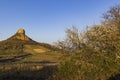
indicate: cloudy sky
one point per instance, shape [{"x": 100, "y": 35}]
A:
[{"x": 47, "y": 20}]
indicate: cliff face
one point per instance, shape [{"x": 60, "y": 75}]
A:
[{"x": 20, "y": 35}]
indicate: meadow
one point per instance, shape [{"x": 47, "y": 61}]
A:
[{"x": 28, "y": 67}]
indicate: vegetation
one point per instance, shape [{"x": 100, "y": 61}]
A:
[
  {"x": 21, "y": 58},
  {"x": 26, "y": 72},
  {"x": 91, "y": 55},
  {"x": 94, "y": 54},
  {"x": 37, "y": 66}
]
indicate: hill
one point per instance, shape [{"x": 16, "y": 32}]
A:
[{"x": 20, "y": 43}]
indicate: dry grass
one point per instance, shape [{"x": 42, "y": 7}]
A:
[
  {"x": 35, "y": 49},
  {"x": 25, "y": 72},
  {"x": 37, "y": 66},
  {"x": 48, "y": 56}
]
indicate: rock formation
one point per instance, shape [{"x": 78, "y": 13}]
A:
[
  {"x": 20, "y": 43},
  {"x": 20, "y": 35},
  {"x": 21, "y": 31}
]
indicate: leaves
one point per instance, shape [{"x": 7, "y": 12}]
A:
[{"x": 96, "y": 53}]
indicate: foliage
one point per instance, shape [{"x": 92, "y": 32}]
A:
[
  {"x": 73, "y": 40},
  {"x": 112, "y": 17},
  {"x": 96, "y": 53}
]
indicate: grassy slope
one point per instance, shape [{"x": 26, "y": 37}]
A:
[{"x": 48, "y": 56}]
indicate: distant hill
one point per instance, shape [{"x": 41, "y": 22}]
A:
[{"x": 20, "y": 43}]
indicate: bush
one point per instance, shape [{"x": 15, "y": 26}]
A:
[{"x": 95, "y": 54}]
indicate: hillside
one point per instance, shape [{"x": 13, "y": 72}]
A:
[
  {"x": 21, "y": 58},
  {"x": 20, "y": 43}
]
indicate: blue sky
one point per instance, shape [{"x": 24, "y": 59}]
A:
[{"x": 47, "y": 20}]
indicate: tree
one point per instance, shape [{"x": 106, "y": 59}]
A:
[
  {"x": 99, "y": 50},
  {"x": 72, "y": 41},
  {"x": 104, "y": 39},
  {"x": 112, "y": 17}
]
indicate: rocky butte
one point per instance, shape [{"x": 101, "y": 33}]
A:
[
  {"x": 20, "y": 35},
  {"x": 20, "y": 43}
]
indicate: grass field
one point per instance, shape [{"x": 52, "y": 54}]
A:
[{"x": 29, "y": 66}]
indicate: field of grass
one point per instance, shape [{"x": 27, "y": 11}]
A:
[
  {"x": 37, "y": 66},
  {"x": 48, "y": 56}
]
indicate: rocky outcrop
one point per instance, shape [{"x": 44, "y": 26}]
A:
[{"x": 20, "y": 35}]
